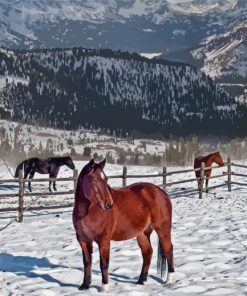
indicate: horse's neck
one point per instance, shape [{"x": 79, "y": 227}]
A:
[
  {"x": 60, "y": 161},
  {"x": 210, "y": 159},
  {"x": 82, "y": 204}
]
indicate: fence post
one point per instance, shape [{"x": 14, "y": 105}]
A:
[
  {"x": 201, "y": 179},
  {"x": 124, "y": 175},
  {"x": 75, "y": 176},
  {"x": 21, "y": 193},
  {"x": 164, "y": 178},
  {"x": 229, "y": 177}
]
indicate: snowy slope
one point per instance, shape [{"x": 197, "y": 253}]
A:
[
  {"x": 42, "y": 257},
  {"x": 133, "y": 25},
  {"x": 206, "y": 6},
  {"x": 225, "y": 54},
  {"x": 24, "y": 140}
]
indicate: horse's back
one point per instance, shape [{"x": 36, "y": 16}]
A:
[
  {"x": 144, "y": 202},
  {"x": 142, "y": 191},
  {"x": 197, "y": 161}
]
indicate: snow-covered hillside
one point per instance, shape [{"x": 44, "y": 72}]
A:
[
  {"x": 42, "y": 257},
  {"x": 225, "y": 55},
  {"x": 19, "y": 141},
  {"x": 206, "y": 6},
  {"x": 224, "y": 58}
]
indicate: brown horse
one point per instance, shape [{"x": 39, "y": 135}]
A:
[
  {"x": 208, "y": 160},
  {"x": 102, "y": 214}
]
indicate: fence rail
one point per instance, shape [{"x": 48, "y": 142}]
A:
[{"x": 125, "y": 176}]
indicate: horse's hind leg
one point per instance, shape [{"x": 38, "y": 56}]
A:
[
  {"x": 147, "y": 251},
  {"x": 167, "y": 251}
]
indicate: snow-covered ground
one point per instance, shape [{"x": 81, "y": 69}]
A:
[{"x": 42, "y": 257}]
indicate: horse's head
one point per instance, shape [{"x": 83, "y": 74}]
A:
[
  {"x": 69, "y": 162},
  {"x": 218, "y": 159},
  {"x": 94, "y": 185}
]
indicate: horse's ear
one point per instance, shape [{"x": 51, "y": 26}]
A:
[
  {"x": 102, "y": 164},
  {"x": 91, "y": 162}
]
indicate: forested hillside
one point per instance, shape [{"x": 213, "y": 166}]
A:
[{"x": 121, "y": 92}]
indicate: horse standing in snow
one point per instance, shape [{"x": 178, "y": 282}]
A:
[
  {"x": 102, "y": 214},
  {"x": 49, "y": 166},
  {"x": 208, "y": 160}
]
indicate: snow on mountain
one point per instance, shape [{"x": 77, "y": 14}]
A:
[
  {"x": 170, "y": 27},
  {"x": 225, "y": 54},
  {"x": 206, "y": 6},
  {"x": 150, "y": 55}
]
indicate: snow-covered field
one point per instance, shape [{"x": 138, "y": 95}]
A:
[{"x": 42, "y": 257}]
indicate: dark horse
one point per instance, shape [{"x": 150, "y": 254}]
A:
[
  {"x": 208, "y": 160},
  {"x": 49, "y": 166},
  {"x": 102, "y": 214}
]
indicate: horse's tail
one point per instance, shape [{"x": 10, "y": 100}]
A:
[
  {"x": 18, "y": 168},
  {"x": 161, "y": 261}
]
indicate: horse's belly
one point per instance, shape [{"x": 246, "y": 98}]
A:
[{"x": 130, "y": 228}]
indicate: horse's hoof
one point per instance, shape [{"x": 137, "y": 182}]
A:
[
  {"x": 140, "y": 282},
  {"x": 104, "y": 288},
  {"x": 84, "y": 287},
  {"x": 170, "y": 278}
]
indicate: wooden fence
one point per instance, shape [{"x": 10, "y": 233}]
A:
[
  {"x": 125, "y": 176},
  {"x": 21, "y": 192},
  {"x": 165, "y": 173}
]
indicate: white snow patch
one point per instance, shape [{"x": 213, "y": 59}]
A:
[{"x": 151, "y": 55}]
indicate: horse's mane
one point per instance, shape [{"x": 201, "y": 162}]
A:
[{"x": 87, "y": 168}]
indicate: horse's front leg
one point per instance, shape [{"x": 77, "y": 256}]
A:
[
  {"x": 207, "y": 175},
  {"x": 87, "y": 250},
  {"x": 207, "y": 185},
  {"x": 25, "y": 177},
  {"x": 50, "y": 176},
  {"x": 54, "y": 186},
  {"x": 54, "y": 175},
  {"x": 104, "y": 249},
  {"x": 31, "y": 175}
]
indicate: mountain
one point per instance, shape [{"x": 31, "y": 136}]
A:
[
  {"x": 224, "y": 58},
  {"x": 225, "y": 55},
  {"x": 134, "y": 25},
  {"x": 116, "y": 91},
  {"x": 207, "y": 6}
]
